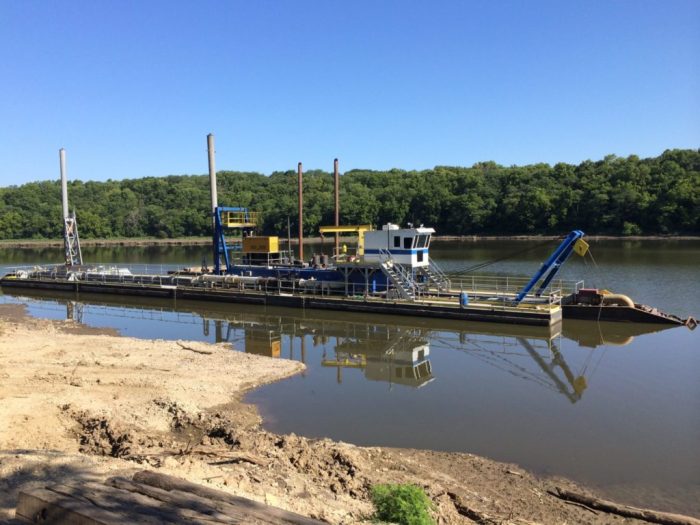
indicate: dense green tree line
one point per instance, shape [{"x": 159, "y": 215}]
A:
[{"x": 615, "y": 195}]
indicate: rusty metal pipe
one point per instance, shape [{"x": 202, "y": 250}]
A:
[
  {"x": 301, "y": 212},
  {"x": 336, "y": 178},
  {"x": 214, "y": 197}
]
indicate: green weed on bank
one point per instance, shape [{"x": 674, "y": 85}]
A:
[{"x": 401, "y": 504}]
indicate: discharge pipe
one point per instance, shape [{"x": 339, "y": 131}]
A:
[{"x": 617, "y": 299}]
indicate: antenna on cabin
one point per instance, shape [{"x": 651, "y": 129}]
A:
[{"x": 71, "y": 241}]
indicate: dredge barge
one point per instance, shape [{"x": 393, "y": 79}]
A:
[
  {"x": 390, "y": 271},
  {"x": 382, "y": 282}
]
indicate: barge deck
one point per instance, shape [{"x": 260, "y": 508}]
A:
[{"x": 544, "y": 312}]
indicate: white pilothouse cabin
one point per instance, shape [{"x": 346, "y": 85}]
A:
[
  {"x": 406, "y": 246},
  {"x": 394, "y": 260}
]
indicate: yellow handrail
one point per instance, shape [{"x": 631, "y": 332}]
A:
[
  {"x": 359, "y": 229},
  {"x": 239, "y": 219}
]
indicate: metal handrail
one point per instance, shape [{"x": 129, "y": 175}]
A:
[
  {"x": 435, "y": 268},
  {"x": 501, "y": 298},
  {"x": 404, "y": 276},
  {"x": 509, "y": 283}
]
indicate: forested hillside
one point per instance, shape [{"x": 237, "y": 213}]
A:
[{"x": 630, "y": 195}]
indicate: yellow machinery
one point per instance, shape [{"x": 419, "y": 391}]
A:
[
  {"x": 261, "y": 244},
  {"x": 358, "y": 229}
]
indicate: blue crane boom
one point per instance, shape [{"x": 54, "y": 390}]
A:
[
  {"x": 226, "y": 217},
  {"x": 551, "y": 266}
]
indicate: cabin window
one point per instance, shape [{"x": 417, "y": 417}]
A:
[
  {"x": 419, "y": 256},
  {"x": 423, "y": 241},
  {"x": 397, "y": 241},
  {"x": 408, "y": 243}
]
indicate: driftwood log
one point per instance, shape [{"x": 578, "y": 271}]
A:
[
  {"x": 652, "y": 516},
  {"x": 185, "y": 347}
]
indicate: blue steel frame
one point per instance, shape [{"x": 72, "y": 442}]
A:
[
  {"x": 221, "y": 248},
  {"x": 551, "y": 266}
]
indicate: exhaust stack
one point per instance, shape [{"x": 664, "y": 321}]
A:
[
  {"x": 336, "y": 178},
  {"x": 301, "y": 213}
]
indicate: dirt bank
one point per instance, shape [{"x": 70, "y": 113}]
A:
[{"x": 81, "y": 404}]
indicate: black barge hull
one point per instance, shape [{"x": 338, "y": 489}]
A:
[
  {"x": 615, "y": 313},
  {"x": 494, "y": 314}
]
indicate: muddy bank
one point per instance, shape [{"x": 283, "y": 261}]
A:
[{"x": 81, "y": 404}]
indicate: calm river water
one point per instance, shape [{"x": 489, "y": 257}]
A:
[{"x": 616, "y": 407}]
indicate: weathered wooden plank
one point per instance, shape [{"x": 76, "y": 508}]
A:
[
  {"x": 45, "y": 506},
  {"x": 250, "y": 507},
  {"x": 98, "y": 504},
  {"x": 147, "y": 509},
  {"x": 213, "y": 510}
]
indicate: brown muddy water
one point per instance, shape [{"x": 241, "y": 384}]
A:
[{"x": 613, "y": 406}]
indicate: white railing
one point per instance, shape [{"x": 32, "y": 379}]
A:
[
  {"x": 509, "y": 284},
  {"x": 404, "y": 277},
  {"x": 439, "y": 273},
  {"x": 492, "y": 290}
]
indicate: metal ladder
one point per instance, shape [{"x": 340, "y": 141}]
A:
[
  {"x": 400, "y": 278},
  {"x": 436, "y": 276},
  {"x": 71, "y": 241}
]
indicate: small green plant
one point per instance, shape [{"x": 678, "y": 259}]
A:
[
  {"x": 630, "y": 228},
  {"x": 402, "y": 504}
]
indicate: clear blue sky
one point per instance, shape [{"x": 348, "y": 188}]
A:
[{"x": 131, "y": 88}]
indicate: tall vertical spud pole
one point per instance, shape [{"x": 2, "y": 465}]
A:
[
  {"x": 212, "y": 173},
  {"x": 301, "y": 212},
  {"x": 64, "y": 183},
  {"x": 336, "y": 178},
  {"x": 214, "y": 198}
]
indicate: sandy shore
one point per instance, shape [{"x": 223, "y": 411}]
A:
[{"x": 83, "y": 404}]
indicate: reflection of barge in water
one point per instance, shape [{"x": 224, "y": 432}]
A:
[{"x": 390, "y": 349}]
